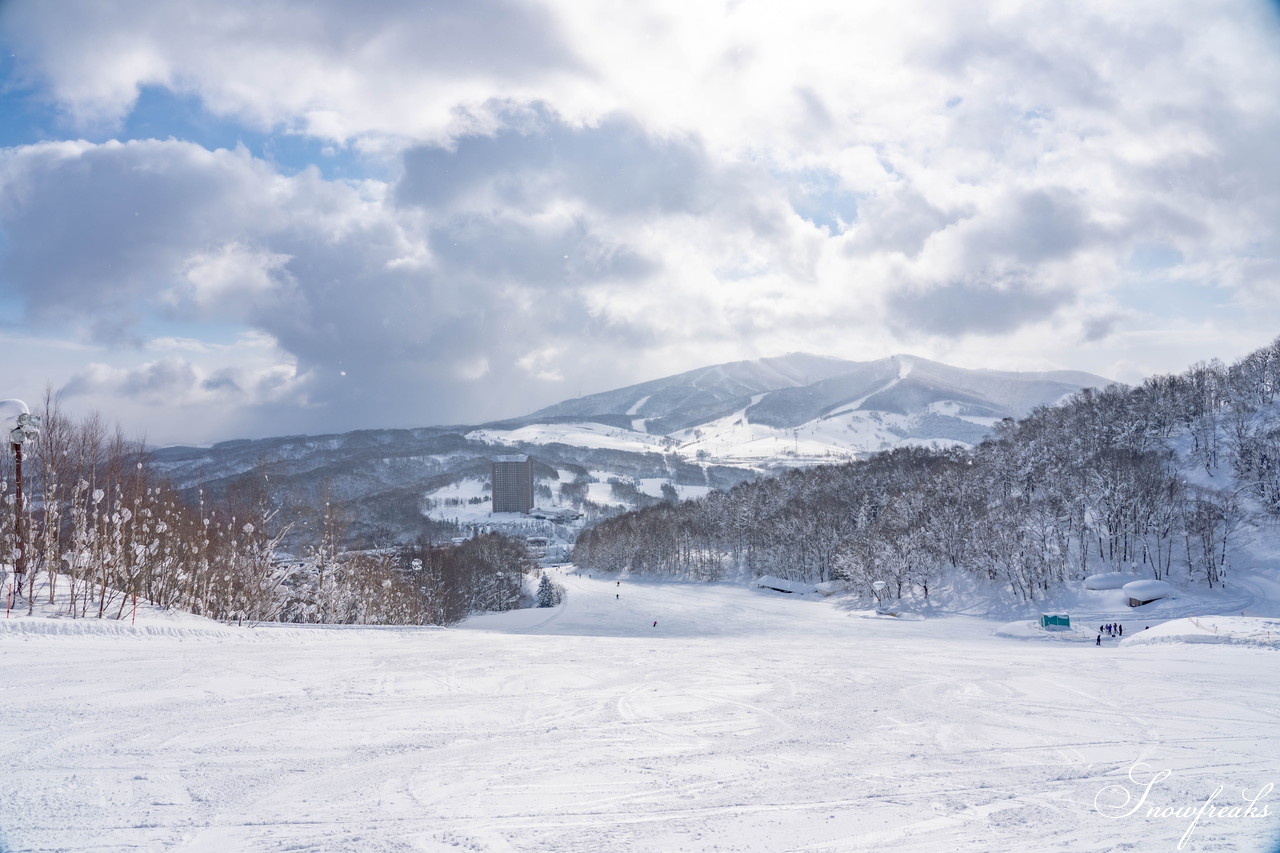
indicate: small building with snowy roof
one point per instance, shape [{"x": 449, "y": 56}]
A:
[{"x": 1145, "y": 592}]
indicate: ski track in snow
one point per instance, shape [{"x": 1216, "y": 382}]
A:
[
  {"x": 638, "y": 405},
  {"x": 744, "y": 721}
]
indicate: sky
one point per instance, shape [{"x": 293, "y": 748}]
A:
[{"x": 241, "y": 219}]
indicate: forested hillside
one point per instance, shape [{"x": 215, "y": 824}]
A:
[
  {"x": 1158, "y": 479},
  {"x": 100, "y": 527}
]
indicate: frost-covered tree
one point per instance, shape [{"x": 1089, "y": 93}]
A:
[
  {"x": 547, "y": 596},
  {"x": 1103, "y": 481}
]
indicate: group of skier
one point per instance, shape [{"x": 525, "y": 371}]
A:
[{"x": 1111, "y": 629}]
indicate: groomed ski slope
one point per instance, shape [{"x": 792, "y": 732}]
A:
[{"x": 744, "y": 721}]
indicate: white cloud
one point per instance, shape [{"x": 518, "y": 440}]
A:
[
  {"x": 322, "y": 67},
  {"x": 542, "y": 363},
  {"x": 590, "y": 195},
  {"x": 193, "y": 392},
  {"x": 177, "y": 344},
  {"x": 227, "y": 275}
]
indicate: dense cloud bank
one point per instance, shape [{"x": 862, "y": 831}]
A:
[{"x": 253, "y": 219}]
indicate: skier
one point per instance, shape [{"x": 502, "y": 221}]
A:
[
  {"x": 1098, "y": 642},
  {"x": 655, "y": 623},
  {"x": 1121, "y": 630}
]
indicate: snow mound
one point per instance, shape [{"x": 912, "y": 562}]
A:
[
  {"x": 1222, "y": 630},
  {"x": 1110, "y": 580},
  {"x": 150, "y": 621},
  {"x": 890, "y": 615},
  {"x": 784, "y": 585},
  {"x": 114, "y": 628},
  {"x": 196, "y": 628}
]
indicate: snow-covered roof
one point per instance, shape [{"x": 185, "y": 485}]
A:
[
  {"x": 1148, "y": 590},
  {"x": 515, "y": 457},
  {"x": 1109, "y": 580},
  {"x": 772, "y": 582}
]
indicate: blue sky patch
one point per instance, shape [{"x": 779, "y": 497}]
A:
[
  {"x": 1150, "y": 257},
  {"x": 819, "y": 196}
]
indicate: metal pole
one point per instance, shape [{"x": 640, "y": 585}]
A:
[{"x": 20, "y": 561}]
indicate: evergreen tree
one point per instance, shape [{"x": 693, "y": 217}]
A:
[{"x": 546, "y": 593}]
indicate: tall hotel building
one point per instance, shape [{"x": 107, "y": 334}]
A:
[{"x": 512, "y": 483}]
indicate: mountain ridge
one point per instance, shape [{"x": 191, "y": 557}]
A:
[
  {"x": 712, "y": 427},
  {"x": 791, "y": 390}
]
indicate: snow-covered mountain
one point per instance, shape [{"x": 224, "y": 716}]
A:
[
  {"x": 699, "y": 396},
  {"x": 676, "y": 436},
  {"x": 800, "y": 409}
]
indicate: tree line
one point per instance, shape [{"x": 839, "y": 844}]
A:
[
  {"x": 104, "y": 530},
  {"x": 1158, "y": 479}
]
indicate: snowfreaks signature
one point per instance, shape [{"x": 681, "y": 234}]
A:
[{"x": 1108, "y": 801}]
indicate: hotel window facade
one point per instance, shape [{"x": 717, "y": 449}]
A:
[{"x": 512, "y": 483}]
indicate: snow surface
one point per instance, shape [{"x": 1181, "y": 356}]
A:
[
  {"x": 1225, "y": 630},
  {"x": 1031, "y": 630},
  {"x": 842, "y": 435},
  {"x": 465, "y": 489},
  {"x": 653, "y": 486},
  {"x": 778, "y": 584},
  {"x": 602, "y": 493},
  {"x": 743, "y": 721},
  {"x": 465, "y": 512},
  {"x": 592, "y": 435},
  {"x": 635, "y": 408}
]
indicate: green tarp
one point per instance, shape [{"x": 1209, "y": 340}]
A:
[{"x": 1054, "y": 620}]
